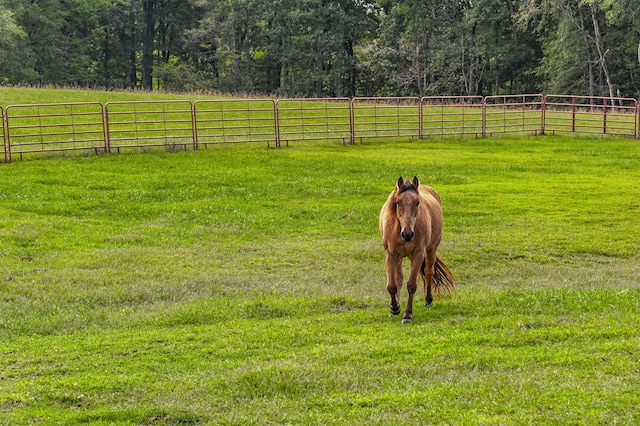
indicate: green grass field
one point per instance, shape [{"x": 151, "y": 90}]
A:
[{"x": 245, "y": 285}]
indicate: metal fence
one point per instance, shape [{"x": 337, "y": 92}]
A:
[
  {"x": 452, "y": 115},
  {"x": 183, "y": 124},
  {"x": 591, "y": 115},
  {"x": 386, "y": 117},
  {"x": 2, "y": 135},
  {"x": 148, "y": 124},
  {"x": 234, "y": 121},
  {"x": 53, "y": 127}
]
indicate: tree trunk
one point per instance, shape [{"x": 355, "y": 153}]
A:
[
  {"x": 471, "y": 79},
  {"x": 148, "y": 37},
  {"x": 585, "y": 37},
  {"x": 639, "y": 49},
  {"x": 351, "y": 70},
  {"x": 602, "y": 54}
]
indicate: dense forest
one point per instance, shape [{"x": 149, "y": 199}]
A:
[{"x": 325, "y": 47}]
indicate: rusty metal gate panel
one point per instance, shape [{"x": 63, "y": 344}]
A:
[
  {"x": 451, "y": 115},
  {"x": 3, "y": 136},
  {"x": 314, "y": 119},
  {"x": 142, "y": 124},
  {"x": 386, "y": 117},
  {"x": 37, "y": 128},
  {"x": 513, "y": 113},
  {"x": 234, "y": 121},
  {"x": 591, "y": 115}
]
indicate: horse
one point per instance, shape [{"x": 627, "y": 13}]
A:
[{"x": 411, "y": 226}]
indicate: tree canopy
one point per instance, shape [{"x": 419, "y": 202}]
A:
[{"x": 326, "y": 47}]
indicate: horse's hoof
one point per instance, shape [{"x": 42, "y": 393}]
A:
[
  {"x": 396, "y": 312},
  {"x": 428, "y": 304},
  {"x": 407, "y": 320}
]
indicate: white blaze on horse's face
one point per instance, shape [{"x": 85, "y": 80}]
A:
[{"x": 407, "y": 204}]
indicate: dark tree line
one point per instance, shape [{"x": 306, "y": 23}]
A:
[{"x": 326, "y": 47}]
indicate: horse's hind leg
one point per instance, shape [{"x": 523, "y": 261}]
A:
[{"x": 427, "y": 274}]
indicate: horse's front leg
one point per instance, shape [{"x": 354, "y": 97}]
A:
[
  {"x": 416, "y": 263},
  {"x": 394, "y": 282}
]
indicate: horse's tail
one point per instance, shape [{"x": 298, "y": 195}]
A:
[{"x": 443, "y": 280}]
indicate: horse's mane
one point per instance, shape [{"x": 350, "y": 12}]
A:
[
  {"x": 406, "y": 186},
  {"x": 391, "y": 202}
]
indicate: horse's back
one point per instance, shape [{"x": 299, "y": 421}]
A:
[
  {"x": 429, "y": 192},
  {"x": 434, "y": 212}
]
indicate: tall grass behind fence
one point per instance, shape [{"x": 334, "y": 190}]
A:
[{"x": 114, "y": 126}]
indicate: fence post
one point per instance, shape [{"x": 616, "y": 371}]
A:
[
  {"x": 107, "y": 133},
  {"x": 276, "y": 121},
  {"x": 420, "y": 119},
  {"x": 4, "y": 134},
  {"x": 352, "y": 123},
  {"x": 544, "y": 114},
  {"x": 637, "y": 120},
  {"x": 573, "y": 114},
  {"x": 7, "y": 137},
  {"x": 604, "y": 116},
  {"x": 194, "y": 125},
  {"x": 104, "y": 129},
  {"x": 484, "y": 116}
]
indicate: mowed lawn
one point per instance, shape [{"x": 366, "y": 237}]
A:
[{"x": 245, "y": 285}]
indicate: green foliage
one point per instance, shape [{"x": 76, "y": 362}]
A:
[
  {"x": 15, "y": 62},
  {"x": 325, "y": 47},
  {"x": 588, "y": 45},
  {"x": 246, "y": 286}
]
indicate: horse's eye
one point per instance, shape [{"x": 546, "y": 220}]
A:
[{"x": 417, "y": 202}]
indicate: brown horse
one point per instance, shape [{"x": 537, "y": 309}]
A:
[{"x": 411, "y": 226}]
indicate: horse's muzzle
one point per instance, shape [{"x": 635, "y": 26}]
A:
[{"x": 407, "y": 236}]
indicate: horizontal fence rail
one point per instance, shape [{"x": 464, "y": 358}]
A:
[{"x": 183, "y": 124}]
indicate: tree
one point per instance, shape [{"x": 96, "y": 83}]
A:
[
  {"x": 225, "y": 44},
  {"x": 585, "y": 43},
  {"x": 326, "y": 47},
  {"x": 454, "y": 47},
  {"x": 313, "y": 42},
  {"x": 501, "y": 53},
  {"x": 16, "y": 61},
  {"x": 41, "y": 21},
  {"x": 115, "y": 43}
]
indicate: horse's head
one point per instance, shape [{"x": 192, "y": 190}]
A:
[{"x": 406, "y": 204}]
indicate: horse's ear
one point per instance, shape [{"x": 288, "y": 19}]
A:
[
  {"x": 416, "y": 182},
  {"x": 400, "y": 182}
]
